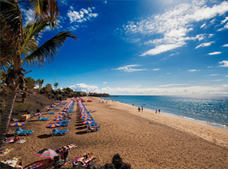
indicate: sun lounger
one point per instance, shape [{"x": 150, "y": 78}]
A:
[
  {"x": 51, "y": 112},
  {"x": 43, "y": 119},
  {"x": 55, "y": 108},
  {"x": 65, "y": 121},
  {"x": 59, "y": 132},
  {"x": 63, "y": 124},
  {"x": 19, "y": 131},
  {"x": 93, "y": 124}
]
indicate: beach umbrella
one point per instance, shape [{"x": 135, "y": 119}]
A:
[
  {"x": 62, "y": 113},
  {"x": 52, "y": 125},
  {"x": 46, "y": 153},
  {"x": 87, "y": 122},
  {"x": 16, "y": 124},
  {"x": 57, "y": 119},
  {"x": 60, "y": 116},
  {"x": 38, "y": 114}
]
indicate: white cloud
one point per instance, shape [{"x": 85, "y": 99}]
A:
[
  {"x": 105, "y": 82},
  {"x": 203, "y": 25},
  {"x": 128, "y": 68},
  {"x": 157, "y": 69},
  {"x": 161, "y": 49},
  {"x": 209, "y": 67},
  {"x": 223, "y": 63},
  {"x": 212, "y": 21},
  {"x": 210, "y": 35},
  {"x": 225, "y": 45},
  {"x": 174, "y": 25},
  {"x": 214, "y": 53},
  {"x": 224, "y": 21},
  {"x": 84, "y": 87},
  {"x": 172, "y": 85},
  {"x": 168, "y": 90},
  {"x": 80, "y": 16},
  {"x": 29, "y": 15},
  {"x": 63, "y": 2},
  {"x": 224, "y": 27},
  {"x": 194, "y": 70},
  {"x": 213, "y": 74},
  {"x": 226, "y": 75},
  {"x": 204, "y": 44}
]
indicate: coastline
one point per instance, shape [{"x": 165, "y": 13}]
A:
[
  {"x": 208, "y": 131},
  {"x": 143, "y": 139},
  {"x": 204, "y": 122}
]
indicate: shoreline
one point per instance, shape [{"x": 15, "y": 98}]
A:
[
  {"x": 207, "y": 123},
  {"x": 208, "y": 131},
  {"x": 143, "y": 139}
]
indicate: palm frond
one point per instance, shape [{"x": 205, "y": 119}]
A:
[
  {"x": 11, "y": 29},
  {"x": 45, "y": 9},
  {"x": 30, "y": 46},
  {"x": 47, "y": 51},
  {"x": 31, "y": 31}
]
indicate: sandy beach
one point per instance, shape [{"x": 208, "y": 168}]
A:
[{"x": 143, "y": 139}]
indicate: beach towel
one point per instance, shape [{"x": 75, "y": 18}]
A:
[
  {"x": 9, "y": 140},
  {"x": 6, "y": 151},
  {"x": 21, "y": 141},
  {"x": 12, "y": 141},
  {"x": 12, "y": 162}
]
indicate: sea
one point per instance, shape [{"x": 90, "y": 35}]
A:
[{"x": 208, "y": 110}]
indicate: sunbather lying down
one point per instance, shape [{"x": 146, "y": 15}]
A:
[
  {"x": 84, "y": 160},
  {"x": 70, "y": 146}
]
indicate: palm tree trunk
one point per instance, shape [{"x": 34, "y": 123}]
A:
[
  {"x": 24, "y": 95},
  {"x": 6, "y": 115}
]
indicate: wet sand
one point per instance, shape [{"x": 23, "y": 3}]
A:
[{"x": 143, "y": 139}]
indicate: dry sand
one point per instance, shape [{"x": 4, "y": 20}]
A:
[{"x": 144, "y": 139}]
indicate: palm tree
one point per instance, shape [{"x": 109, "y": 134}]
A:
[
  {"x": 19, "y": 46},
  {"x": 56, "y": 85},
  {"x": 40, "y": 83}
]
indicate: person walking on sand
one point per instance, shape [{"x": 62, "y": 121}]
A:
[
  {"x": 142, "y": 108},
  {"x": 138, "y": 109},
  {"x": 158, "y": 110}
]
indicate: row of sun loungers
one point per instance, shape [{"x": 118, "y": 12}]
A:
[
  {"x": 61, "y": 121},
  {"x": 87, "y": 118}
]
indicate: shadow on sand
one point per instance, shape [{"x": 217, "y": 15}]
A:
[
  {"x": 81, "y": 132},
  {"x": 80, "y": 124},
  {"x": 44, "y": 136},
  {"x": 79, "y": 128}
]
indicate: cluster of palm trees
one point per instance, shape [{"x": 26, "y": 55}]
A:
[{"x": 19, "y": 47}]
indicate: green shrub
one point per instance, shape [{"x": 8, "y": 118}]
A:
[{"x": 23, "y": 106}]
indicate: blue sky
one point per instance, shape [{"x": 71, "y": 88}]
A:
[{"x": 141, "y": 47}]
